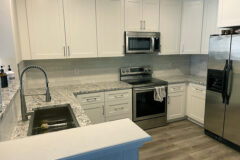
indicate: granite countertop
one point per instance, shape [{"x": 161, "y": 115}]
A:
[
  {"x": 64, "y": 95},
  {"x": 184, "y": 79},
  {"x": 7, "y": 96}
]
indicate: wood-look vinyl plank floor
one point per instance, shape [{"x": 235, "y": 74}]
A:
[{"x": 184, "y": 140}]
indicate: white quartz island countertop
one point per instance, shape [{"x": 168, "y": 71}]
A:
[{"x": 79, "y": 143}]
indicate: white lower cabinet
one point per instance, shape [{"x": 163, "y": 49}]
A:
[
  {"x": 107, "y": 106},
  {"x": 176, "y": 101},
  {"x": 95, "y": 112},
  {"x": 196, "y": 102},
  {"x": 118, "y": 104}
]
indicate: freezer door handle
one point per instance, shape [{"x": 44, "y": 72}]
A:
[
  {"x": 224, "y": 85},
  {"x": 229, "y": 81}
]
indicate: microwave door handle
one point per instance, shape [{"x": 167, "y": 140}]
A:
[{"x": 153, "y": 44}]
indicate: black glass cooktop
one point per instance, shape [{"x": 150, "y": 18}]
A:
[{"x": 148, "y": 82}]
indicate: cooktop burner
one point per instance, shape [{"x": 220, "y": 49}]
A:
[{"x": 140, "y": 76}]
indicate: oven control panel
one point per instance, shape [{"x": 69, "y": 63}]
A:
[{"x": 135, "y": 70}]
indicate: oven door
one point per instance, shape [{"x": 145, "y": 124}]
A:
[
  {"x": 144, "y": 105},
  {"x": 137, "y": 44}
]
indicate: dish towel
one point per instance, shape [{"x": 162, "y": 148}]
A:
[{"x": 159, "y": 93}]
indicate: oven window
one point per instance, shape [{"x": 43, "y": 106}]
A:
[
  {"x": 139, "y": 43},
  {"x": 146, "y": 105}
]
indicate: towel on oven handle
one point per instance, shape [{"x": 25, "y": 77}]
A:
[{"x": 159, "y": 93}]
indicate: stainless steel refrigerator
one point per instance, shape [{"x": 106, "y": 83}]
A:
[{"x": 222, "y": 112}]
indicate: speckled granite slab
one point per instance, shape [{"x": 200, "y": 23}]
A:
[
  {"x": 64, "y": 95},
  {"x": 184, "y": 79},
  {"x": 7, "y": 96}
]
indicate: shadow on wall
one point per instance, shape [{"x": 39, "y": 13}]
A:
[{"x": 103, "y": 69}]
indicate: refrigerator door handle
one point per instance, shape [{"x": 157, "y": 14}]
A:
[
  {"x": 225, "y": 81},
  {"x": 229, "y": 81}
]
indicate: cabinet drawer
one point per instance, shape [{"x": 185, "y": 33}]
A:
[
  {"x": 92, "y": 106},
  {"x": 198, "y": 91},
  {"x": 118, "y": 95},
  {"x": 91, "y": 98},
  {"x": 176, "y": 88},
  {"x": 117, "y": 108}
]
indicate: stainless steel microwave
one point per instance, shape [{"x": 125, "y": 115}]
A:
[{"x": 142, "y": 42}]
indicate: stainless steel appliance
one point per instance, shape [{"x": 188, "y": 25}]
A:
[
  {"x": 147, "y": 113},
  {"x": 222, "y": 113},
  {"x": 142, "y": 42}
]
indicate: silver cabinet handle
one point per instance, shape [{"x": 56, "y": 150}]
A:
[
  {"x": 144, "y": 25},
  {"x": 117, "y": 109},
  {"x": 103, "y": 109},
  {"x": 69, "y": 52},
  {"x": 119, "y": 96},
  {"x": 168, "y": 100},
  {"x": 64, "y": 50},
  {"x": 141, "y": 25},
  {"x": 91, "y": 99}
]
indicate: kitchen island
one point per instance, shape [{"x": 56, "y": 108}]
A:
[{"x": 116, "y": 140}]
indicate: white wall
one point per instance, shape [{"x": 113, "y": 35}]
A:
[
  {"x": 7, "y": 55},
  {"x": 103, "y": 69},
  {"x": 199, "y": 65}
]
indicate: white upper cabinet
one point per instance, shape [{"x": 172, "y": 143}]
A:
[
  {"x": 133, "y": 15},
  {"x": 46, "y": 28},
  {"x": 81, "y": 34},
  {"x": 228, "y": 13},
  {"x": 142, "y": 15},
  {"x": 110, "y": 28},
  {"x": 150, "y": 15},
  {"x": 209, "y": 23},
  {"x": 170, "y": 26},
  {"x": 192, "y": 17}
]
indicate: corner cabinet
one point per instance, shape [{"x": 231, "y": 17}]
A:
[
  {"x": 93, "y": 105},
  {"x": 170, "y": 26},
  {"x": 209, "y": 23},
  {"x": 228, "y": 13},
  {"x": 176, "y": 101},
  {"x": 142, "y": 15},
  {"x": 196, "y": 102},
  {"x": 192, "y": 19}
]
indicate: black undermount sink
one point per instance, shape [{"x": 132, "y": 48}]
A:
[{"x": 56, "y": 118}]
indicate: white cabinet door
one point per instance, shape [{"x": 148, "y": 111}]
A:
[
  {"x": 133, "y": 15},
  {"x": 95, "y": 112},
  {"x": 196, "y": 102},
  {"x": 192, "y": 17},
  {"x": 176, "y": 101},
  {"x": 209, "y": 23},
  {"x": 170, "y": 26},
  {"x": 46, "y": 28},
  {"x": 81, "y": 34},
  {"x": 176, "y": 105},
  {"x": 110, "y": 27},
  {"x": 150, "y": 15},
  {"x": 228, "y": 14}
]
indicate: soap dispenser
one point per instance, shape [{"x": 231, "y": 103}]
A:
[{"x": 4, "y": 81}]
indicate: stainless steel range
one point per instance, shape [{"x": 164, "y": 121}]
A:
[{"x": 147, "y": 113}]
